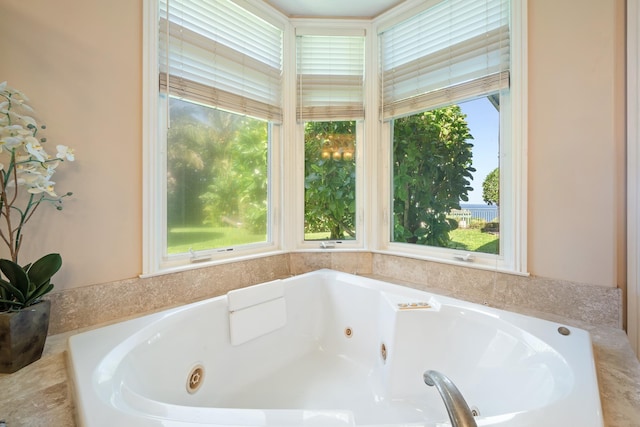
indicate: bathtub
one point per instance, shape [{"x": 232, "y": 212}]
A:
[{"x": 331, "y": 349}]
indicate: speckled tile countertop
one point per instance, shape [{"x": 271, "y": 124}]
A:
[{"x": 40, "y": 394}]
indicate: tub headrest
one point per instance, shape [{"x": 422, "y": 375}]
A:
[
  {"x": 246, "y": 297},
  {"x": 256, "y": 311}
]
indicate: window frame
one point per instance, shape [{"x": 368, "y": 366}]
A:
[
  {"x": 295, "y": 155},
  {"x": 222, "y": 253},
  {"x": 373, "y": 220},
  {"x": 513, "y": 164},
  {"x": 356, "y": 243},
  {"x": 154, "y": 258}
]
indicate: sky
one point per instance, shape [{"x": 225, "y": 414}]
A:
[{"x": 484, "y": 123}]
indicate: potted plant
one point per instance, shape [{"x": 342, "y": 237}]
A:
[{"x": 26, "y": 170}]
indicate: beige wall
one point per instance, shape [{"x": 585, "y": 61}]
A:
[
  {"x": 576, "y": 140},
  {"x": 80, "y": 62}
]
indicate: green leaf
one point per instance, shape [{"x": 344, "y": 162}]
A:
[
  {"x": 12, "y": 290},
  {"x": 39, "y": 292},
  {"x": 42, "y": 270},
  {"x": 15, "y": 275},
  {"x": 14, "y": 303}
]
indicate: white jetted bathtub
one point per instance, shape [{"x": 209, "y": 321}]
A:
[{"x": 332, "y": 349}]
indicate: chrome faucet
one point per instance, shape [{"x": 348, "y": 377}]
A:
[{"x": 459, "y": 412}]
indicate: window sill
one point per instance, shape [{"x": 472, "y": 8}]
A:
[
  {"x": 186, "y": 266},
  {"x": 452, "y": 261}
]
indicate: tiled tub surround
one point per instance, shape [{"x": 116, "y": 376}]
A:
[
  {"x": 91, "y": 305},
  {"x": 96, "y": 304},
  {"x": 39, "y": 394}
]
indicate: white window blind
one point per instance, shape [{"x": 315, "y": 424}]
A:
[
  {"x": 455, "y": 50},
  {"x": 220, "y": 54},
  {"x": 330, "y": 77}
]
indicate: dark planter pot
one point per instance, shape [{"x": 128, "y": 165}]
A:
[{"x": 22, "y": 336}]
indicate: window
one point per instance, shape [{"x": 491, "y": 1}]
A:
[
  {"x": 330, "y": 180},
  {"x": 438, "y": 157},
  {"x": 229, "y": 165},
  {"x": 219, "y": 108},
  {"x": 217, "y": 176},
  {"x": 330, "y": 95},
  {"x": 455, "y": 156}
]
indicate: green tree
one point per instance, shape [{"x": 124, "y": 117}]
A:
[
  {"x": 188, "y": 151},
  {"x": 217, "y": 168},
  {"x": 330, "y": 197},
  {"x": 491, "y": 188},
  {"x": 238, "y": 191},
  {"x": 432, "y": 172}
]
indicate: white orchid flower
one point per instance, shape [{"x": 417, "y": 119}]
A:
[
  {"x": 19, "y": 118},
  {"x": 22, "y": 160},
  {"x": 35, "y": 149},
  {"x": 13, "y": 128},
  {"x": 34, "y": 168},
  {"x": 39, "y": 184},
  {"x": 29, "y": 120},
  {"x": 43, "y": 189},
  {"x": 51, "y": 166},
  {"x": 31, "y": 167},
  {"x": 11, "y": 141},
  {"x": 65, "y": 152}
]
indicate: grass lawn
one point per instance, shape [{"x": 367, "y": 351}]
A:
[
  {"x": 323, "y": 235},
  {"x": 468, "y": 239},
  {"x": 180, "y": 239},
  {"x": 472, "y": 239}
]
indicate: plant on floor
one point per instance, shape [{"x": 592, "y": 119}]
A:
[{"x": 26, "y": 170}]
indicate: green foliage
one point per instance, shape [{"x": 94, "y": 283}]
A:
[
  {"x": 491, "y": 227},
  {"x": 217, "y": 169},
  {"x": 477, "y": 223},
  {"x": 491, "y": 188},
  {"x": 432, "y": 172},
  {"x": 330, "y": 196},
  {"x": 25, "y": 286},
  {"x": 238, "y": 191}
]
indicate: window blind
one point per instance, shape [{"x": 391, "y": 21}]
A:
[
  {"x": 330, "y": 77},
  {"x": 216, "y": 53},
  {"x": 455, "y": 50}
]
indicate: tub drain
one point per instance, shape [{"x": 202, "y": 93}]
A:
[{"x": 195, "y": 379}]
